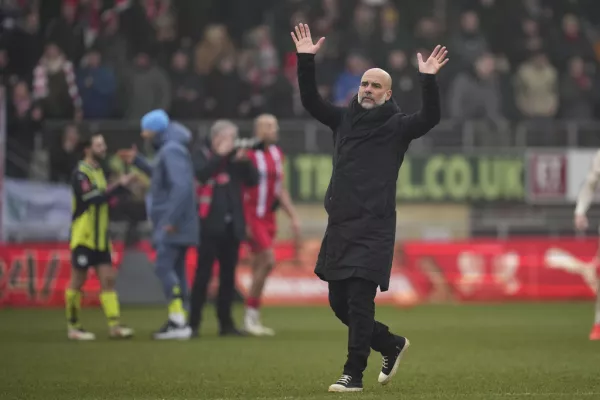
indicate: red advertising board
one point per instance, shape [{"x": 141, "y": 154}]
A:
[
  {"x": 519, "y": 269},
  {"x": 462, "y": 271}
]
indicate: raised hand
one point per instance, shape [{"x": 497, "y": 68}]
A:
[
  {"x": 435, "y": 62},
  {"x": 303, "y": 40}
]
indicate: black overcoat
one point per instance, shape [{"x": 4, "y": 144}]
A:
[{"x": 369, "y": 147}]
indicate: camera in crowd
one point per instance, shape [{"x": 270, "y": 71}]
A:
[{"x": 248, "y": 144}]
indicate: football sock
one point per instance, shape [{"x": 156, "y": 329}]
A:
[
  {"x": 253, "y": 302},
  {"x": 72, "y": 307},
  {"x": 176, "y": 310},
  {"x": 110, "y": 305}
]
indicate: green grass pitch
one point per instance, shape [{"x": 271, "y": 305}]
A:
[{"x": 514, "y": 351}]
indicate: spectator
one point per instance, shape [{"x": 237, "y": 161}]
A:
[
  {"x": 156, "y": 9},
  {"x": 361, "y": 36},
  {"x": 406, "y": 88},
  {"x": 148, "y": 87},
  {"x": 264, "y": 58},
  {"x": 97, "y": 87},
  {"x": 54, "y": 84},
  {"x": 428, "y": 32},
  {"x": 24, "y": 121},
  {"x": 67, "y": 32},
  {"x": 536, "y": 87},
  {"x": 64, "y": 155},
  {"x": 349, "y": 80},
  {"x": 187, "y": 90},
  {"x": 25, "y": 46},
  {"x": 214, "y": 46},
  {"x": 166, "y": 37},
  {"x": 88, "y": 17},
  {"x": 528, "y": 41},
  {"x": 393, "y": 33},
  {"x": 469, "y": 43},
  {"x": 7, "y": 75},
  {"x": 130, "y": 208},
  {"x": 572, "y": 42},
  {"x": 475, "y": 94},
  {"x": 228, "y": 96},
  {"x": 503, "y": 72},
  {"x": 578, "y": 92},
  {"x": 112, "y": 44}
]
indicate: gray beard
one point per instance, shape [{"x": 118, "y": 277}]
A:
[{"x": 369, "y": 106}]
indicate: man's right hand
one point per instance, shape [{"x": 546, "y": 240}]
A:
[
  {"x": 581, "y": 222},
  {"x": 223, "y": 145},
  {"x": 303, "y": 40}
]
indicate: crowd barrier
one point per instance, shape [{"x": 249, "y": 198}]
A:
[{"x": 533, "y": 269}]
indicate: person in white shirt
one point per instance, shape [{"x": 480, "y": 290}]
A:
[{"x": 584, "y": 200}]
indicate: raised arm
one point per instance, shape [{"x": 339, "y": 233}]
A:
[
  {"x": 205, "y": 167},
  {"x": 417, "y": 124},
  {"x": 142, "y": 164},
  {"x": 90, "y": 194},
  {"x": 321, "y": 110}
]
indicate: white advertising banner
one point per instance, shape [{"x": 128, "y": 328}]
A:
[
  {"x": 35, "y": 211},
  {"x": 556, "y": 176},
  {"x": 580, "y": 162}
]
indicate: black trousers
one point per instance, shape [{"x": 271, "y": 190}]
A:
[
  {"x": 225, "y": 249},
  {"x": 353, "y": 302}
]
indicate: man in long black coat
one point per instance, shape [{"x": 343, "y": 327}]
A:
[{"x": 370, "y": 138}]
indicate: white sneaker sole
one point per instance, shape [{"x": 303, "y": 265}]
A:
[
  {"x": 385, "y": 379},
  {"x": 259, "y": 330},
  {"x": 81, "y": 338},
  {"x": 179, "y": 334},
  {"x": 343, "y": 389}
]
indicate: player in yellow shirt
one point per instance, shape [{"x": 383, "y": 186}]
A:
[{"x": 90, "y": 244}]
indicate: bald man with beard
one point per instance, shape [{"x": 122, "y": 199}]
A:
[{"x": 370, "y": 137}]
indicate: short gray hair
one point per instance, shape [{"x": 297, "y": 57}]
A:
[{"x": 220, "y": 125}]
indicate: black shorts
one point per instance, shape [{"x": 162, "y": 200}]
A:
[{"x": 82, "y": 257}]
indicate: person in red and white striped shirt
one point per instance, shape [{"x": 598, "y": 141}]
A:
[{"x": 260, "y": 205}]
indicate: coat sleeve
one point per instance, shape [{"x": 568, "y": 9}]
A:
[
  {"x": 321, "y": 110},
  {"x": 143, "y": 164},
  {"x": 205, "y": 167},
  {"x": 175, "y": 167},
  {"x": 416, "y": 125},
  {"x": 90, "y": 194},
  {"x": 247, "y": 172}
]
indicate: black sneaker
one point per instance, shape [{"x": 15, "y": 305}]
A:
[
  {"x": 346, "y": 384},
  {"x": 390, "y": 362},
  {"x": 172, "y": 331},
  {"x": 232, "y": 331}
]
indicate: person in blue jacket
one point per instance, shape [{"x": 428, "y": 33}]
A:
[{"x": 173, "y": 212}]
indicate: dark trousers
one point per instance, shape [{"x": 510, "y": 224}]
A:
[
  {"x": 353, "y": 302},
  {"x": 225, "y": 249}
]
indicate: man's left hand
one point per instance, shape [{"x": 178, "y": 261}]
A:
[{"x": 435, "y": 62}]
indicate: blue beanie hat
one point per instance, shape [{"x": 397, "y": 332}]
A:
[{"x": 155, "y": 121}]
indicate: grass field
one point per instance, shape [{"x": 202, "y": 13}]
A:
[{"x": 517, "y": 351}]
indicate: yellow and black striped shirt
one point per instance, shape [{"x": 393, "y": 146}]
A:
[{"x": 89, "y": 226}]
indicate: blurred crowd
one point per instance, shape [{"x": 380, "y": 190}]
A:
[{"x": 112, "y": 59}]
